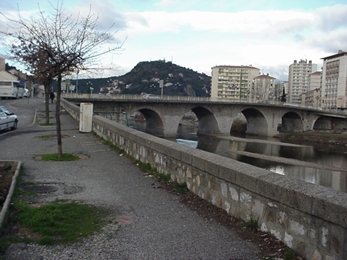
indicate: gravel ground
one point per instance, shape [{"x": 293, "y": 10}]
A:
[{"x": 152, "y": 221}]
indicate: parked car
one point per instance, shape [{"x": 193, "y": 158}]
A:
[
  {"x": 26, "y": 93},
  {"x": 150, "y": 96},
  {"x": 8, "y": 120}
]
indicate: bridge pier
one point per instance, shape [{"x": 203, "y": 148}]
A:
[{"x": 170, "y": 125}]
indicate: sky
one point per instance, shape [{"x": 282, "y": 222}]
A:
[{"x": 200, "y": 34}]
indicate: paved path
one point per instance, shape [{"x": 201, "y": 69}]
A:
[{"x": 153, "y": 224}]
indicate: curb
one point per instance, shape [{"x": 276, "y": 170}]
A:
[{"x": 4, "y": 210}]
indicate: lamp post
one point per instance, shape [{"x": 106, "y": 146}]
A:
[
  {"x": 90, "y": 84},
  {"x": 161, "y": 85},
  {"x": 77, "y": 82}
]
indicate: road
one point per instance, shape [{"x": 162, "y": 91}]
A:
[{"x": 20, "y": 107}]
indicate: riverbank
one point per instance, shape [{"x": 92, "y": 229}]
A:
[{"x": 338, "y": 138}]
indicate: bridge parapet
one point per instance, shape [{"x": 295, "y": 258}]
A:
[{"x": 216, "y": 117}]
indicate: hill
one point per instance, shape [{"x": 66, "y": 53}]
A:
[{"x": 146, "y": 76}]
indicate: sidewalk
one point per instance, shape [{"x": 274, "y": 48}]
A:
[{"x": 152, "y": 223}]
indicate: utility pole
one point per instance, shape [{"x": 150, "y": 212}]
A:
[{"x": 161, "y": 85}]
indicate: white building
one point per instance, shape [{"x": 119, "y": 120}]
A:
[
  {"x": 334, "y": 81},
  {"x": 298, "y": 79},
  {"x": 233, "y": 82}
]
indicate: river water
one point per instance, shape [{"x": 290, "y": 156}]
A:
[{"x": 321, "y": 165}]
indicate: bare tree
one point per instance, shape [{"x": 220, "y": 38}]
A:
[{"x": 54, "y": 45}]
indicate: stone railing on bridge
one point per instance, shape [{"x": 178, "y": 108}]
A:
[
  {"x": 309, "y": 218},
  {"x": 86, "y": 96}
]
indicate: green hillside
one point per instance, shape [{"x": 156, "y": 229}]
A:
[{"x": 145, "y": 77}]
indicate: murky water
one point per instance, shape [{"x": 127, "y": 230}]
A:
[{"x": 322, "y": 165}]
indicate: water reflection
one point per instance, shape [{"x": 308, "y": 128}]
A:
[{"x": 325, "y": 167}]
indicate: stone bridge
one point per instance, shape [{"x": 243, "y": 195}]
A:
[{"x": 217, "y": 117}]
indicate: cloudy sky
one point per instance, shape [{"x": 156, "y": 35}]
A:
[{"x": 200, "y": 34}]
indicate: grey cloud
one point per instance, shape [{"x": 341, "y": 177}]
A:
[{"x": 331, "y": 18}]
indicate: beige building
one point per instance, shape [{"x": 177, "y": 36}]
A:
[
  {"x": 2, "y": 64},
  {"x": 298, "y": 79},
  {"x": 315, "y": 80},
  {"x": 312, "y": 98},
  {"x": 233, "y": 82},
  {"x": 264, "y": 88},
  {"x": 334, "y": 81}
]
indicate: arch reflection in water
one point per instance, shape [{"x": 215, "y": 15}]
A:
[{"x": 269, "y": 148}]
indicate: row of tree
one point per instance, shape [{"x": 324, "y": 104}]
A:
[{"x": 53, "y": 45}]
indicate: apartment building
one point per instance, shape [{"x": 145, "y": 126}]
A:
[
  {"x": 263, "y": 88},
  {"x": 334, "y": 81},
  {"x": 233, "y": 82},
  {"x": 298, "y": 79}
]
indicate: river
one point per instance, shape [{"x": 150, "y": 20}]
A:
[{"x": 311, "y": 163}]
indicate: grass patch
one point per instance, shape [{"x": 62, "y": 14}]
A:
[
  {"x": 59, "y": 221},
  {"x": 252, "y": 224},
  {"x": 181, "y": 188},
  {"x": 44, "y": 124},
  {"x": 54, "y": 157},
  {"x": 48, "y": 137},
  {"x": 146, "y": 167},
  {"x": 289, "y": 254}
]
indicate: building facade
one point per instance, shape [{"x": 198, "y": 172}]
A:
[
  {"x": 298, "y": 79},
  {"x": 312, "y": 98},
  {"x": 334, "y": 81},
  {"x": 281, "y": 91},
  {"x": 263, "y": 89},
  {"x": 233, "y": 82},
  {"x": 315, "y": 80}
]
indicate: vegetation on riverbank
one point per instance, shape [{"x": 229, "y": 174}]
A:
[{"x": 318, "y": 137}]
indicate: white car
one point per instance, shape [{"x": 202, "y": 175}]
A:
[
  {"x": 150, "y": 96},
  {"x": 8, "y": 120},
  {"x": 26, "y": 93}
]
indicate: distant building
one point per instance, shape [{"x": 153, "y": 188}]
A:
[
  {"x": 233, "y": 82},
  {"x": 6, "y": 76},
  {"x": 298, "y": 79},
  {"x": 263, "y": 88},
  {"x": 315, "y": 80},
  {"x": 312, "y": 98},
  {"x": 334, "y": 81},
  {"x": 281, "y": 89},
  {"x": 2, "y": 64}
]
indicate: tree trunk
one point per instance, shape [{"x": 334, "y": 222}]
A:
[{"x": 57, "y": 118}]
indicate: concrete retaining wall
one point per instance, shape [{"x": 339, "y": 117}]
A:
[{"x": 309, "y": 218}]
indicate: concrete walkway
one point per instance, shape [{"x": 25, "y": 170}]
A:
[{"x": 152, "y": 223}]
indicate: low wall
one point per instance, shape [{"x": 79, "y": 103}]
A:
[{"x": 309, "y": 218}]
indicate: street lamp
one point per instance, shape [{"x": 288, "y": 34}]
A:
[
  {"x": 90, "y": 84},
  {"x": 77, "y": 82},
  {"x": 161, "y": 85}
]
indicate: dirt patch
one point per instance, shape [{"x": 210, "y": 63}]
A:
[
  {"x": 80, "y": 156},
  {"x": 7, "y": 170}
]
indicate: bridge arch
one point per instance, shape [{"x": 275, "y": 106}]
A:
[
  {"x": 256, "y": 122},
  {"x": 291, "y": 122},
  {"x": 207, "y": 123},
  {"x": 154, "y": 123},
  {"x": 329, "y": 123}
]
